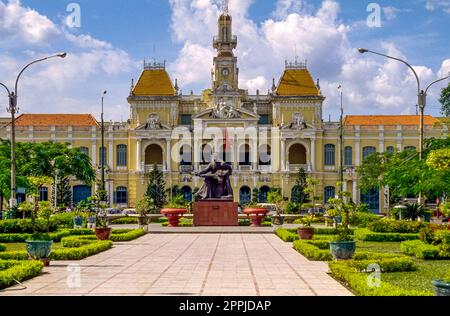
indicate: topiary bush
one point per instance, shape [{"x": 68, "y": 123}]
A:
[
  {"x": 10, "y": 271},
  {"x": 365, "y": 234},
  {"x": 363, "y": 219},
  {"x": 386, "y": 225},
  {"x": 21, "y": 226},
  {"x": 127, "y": 236},
  {"x": 420, "y": 250}
]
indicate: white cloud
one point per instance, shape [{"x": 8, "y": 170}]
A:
[
  {"x": 286, "y": 7},
  {"x": 391, "y": 12},
  {"x": 432, "y": 5}
]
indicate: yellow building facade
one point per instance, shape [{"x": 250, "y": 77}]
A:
[{"x": 267, "y": 137}]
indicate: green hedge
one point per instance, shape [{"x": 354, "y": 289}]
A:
[
  {"x": 420, "y": 250},
  {"x": 362, "y": 220},
  {"x": 56, "y": 236},
  {"x": 310, "y": 250},
  {"x": 14, "y": 255},
  {"x": 87, "y": 248},
  {"x": 386, "y": 225},
  {"x": 124, "y": 221},
  {"x": 365, "y": 234},
  {"x": 21, "y": 226},
  {"x": 286, "y": 235},
  {"x": 352, "y": 274},
  {"x": 133, "y": 234},
  {"x": 2, "y": 247},
  {"x": 18, "y": 270}
]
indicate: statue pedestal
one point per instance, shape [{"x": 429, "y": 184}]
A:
[{"x": 216, "y": 213}]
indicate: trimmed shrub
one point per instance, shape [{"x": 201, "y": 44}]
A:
[
  {"x": 329, "y": 231},
  {"x": 311, "y": 251},
  {"x": 18, "y": 270},
  {"x": 362, "y": 219},
  {"x": 286, "y": 235},
  {"x": 121, "y": 231},
  {"x": 21, "y": 226},
  {"x": 14, "y": 255},
  {"x": 365, "y": 234},
  {"x": 386, "y": 225},
  {"x": 420, "y": 250},
  {"x": 2, "y": 247},
  {"x": 125, "y": 221},
  {"x": 9, "y": 238},
  {"x": 350, "y": 273},
  {"x": 91, "y": 248},
  {"x": 133, "y": 234}
]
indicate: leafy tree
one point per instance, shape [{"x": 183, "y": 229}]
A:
[
  {"x": 63, "y": 193},
  {"x": 301, "y": 185},
  {"x": 255, "y": 196},
  {"x": 445, "y": 101},
  {"x": 156, "y": 187}
]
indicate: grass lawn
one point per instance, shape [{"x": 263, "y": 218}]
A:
[
  {"x": 22, "y": 246},
  {"x": 427, "y": 270}
]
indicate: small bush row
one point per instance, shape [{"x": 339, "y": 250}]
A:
[
  {"x": 365, "y": 234},
  {"x": 127, "y": 236},
  {"x": 364, "y": 284},
  {"x": 13, "y": 255},
  {"x": 124, "y": 221},
  {"x": 311, "y": 251},
  {"x": 21, "y": 226},
  {"x": 286, "y": 235},
  {"x": 10, "y": 271},
  {"x": 386, "y": 225},
  {"x": 87, "y": 248},
  {"x": 56, "y": 236},
  {"x": 2, "y": 247},
  {"x": 421, "y": 250}
]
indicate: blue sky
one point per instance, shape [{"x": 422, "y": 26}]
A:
[{"x": 326, "y": 33}]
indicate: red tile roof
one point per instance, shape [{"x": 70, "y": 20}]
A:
[
  {"x": 56, "y": 120},
  {"x": 373, "y": 120}
]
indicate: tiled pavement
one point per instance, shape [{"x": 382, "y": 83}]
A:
[{"x": 189, "y": 264}]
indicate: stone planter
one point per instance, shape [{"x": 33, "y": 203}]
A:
[
  {"x": 39, "y": 250},
  {"x": 77, "y": 222},
  {"x": 103, "y": 233},
  {"x": 441, "y": 288},
  {"x": 306, "y": 233},
  {"x": 278, "y": 220},
  {"x": 174, "y": 215},
  {"x": 343, "y": 250},
  {"x": 256, "y": 215}
]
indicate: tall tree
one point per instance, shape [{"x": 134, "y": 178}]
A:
[
  {"x": 156, "y": 188},
  {"x": 445, "y": 101},
  {"x": 301, "y": 185},
  {"x": 63, "y": 193}
]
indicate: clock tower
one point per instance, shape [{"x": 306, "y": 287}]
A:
[{"x": 225, "y": 73}]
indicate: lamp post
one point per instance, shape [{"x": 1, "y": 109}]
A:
[
  {"x": 103, "y": 150},
  {"x": 341, "y": 140},
  {"x": 13, "y": 109},
  {"x": 421, "y": 95}
]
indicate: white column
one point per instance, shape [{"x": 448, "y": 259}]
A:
[
  {"x": 197, "y": 154},
  {"x": 111, "y": 154},
  {"x": 235, "y": 152},
  {"x": 255, "y": 154},
  {"x": 381, "y": 142},
  {"x": 111, "y": 191},
  {"x": 283, "y": 155},
  {"x": 357, "y": 153},
  {"x": 344, "y": 188},
  {"x": 168, "y": 156},
  {"x": 138, "y": 155},
  {"x": 94, "y": 152},
  {"x": 355, "y": 191},
  {"x": 313, "y": 155}
]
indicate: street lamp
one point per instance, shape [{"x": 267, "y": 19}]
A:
[
  {"x": 103, "y": 150},
  {"x": 13, "y": 109},
  {"x": 422, "y": 96}
]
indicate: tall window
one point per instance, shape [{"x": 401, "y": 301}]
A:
[
  {"x": 121, "y": 155},
  {"x": 121, "y": 195},
  {"x": 264, "y": 119},
  {"x": 43, "y": 194},
  {"x": 84, "y": 150},
  {"x": 102, "y": 156},
  {"x": 367, "y": 151},
  {"x": 390, "y": 150},
  {"x": 330, "y": 157},
  {"x": 265, "y": 155},
  {"x": 330, "y": 193},
  {"x": 186, "y": 155},
  {"x": 244, "y": 155},
  {"x": 348, "y": 159},
  {"x": 186, "y": 119}
]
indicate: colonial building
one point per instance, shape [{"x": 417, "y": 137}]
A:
[{"x": 267, "y": 137}]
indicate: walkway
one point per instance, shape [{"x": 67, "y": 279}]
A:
[{"x": 189, "y": 264}]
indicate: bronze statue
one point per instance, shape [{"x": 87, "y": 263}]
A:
[{"x": 217, "y": 182}]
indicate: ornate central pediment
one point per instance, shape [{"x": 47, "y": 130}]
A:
[
  {"x": 153, "y": 124},
  {"x": 223, "y": 112}
]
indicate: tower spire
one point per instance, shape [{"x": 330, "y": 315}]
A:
[{"x": 225, "y": 6}]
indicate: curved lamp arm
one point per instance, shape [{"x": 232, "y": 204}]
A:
[
  {"x": 62, "y": 55},
  {"x": 4, "y": 86},
  {"x": 439, "y": 80},
  {"x": 364, "y": 50}
]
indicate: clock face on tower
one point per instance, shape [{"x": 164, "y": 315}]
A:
[{"x": 225, "y": 72}]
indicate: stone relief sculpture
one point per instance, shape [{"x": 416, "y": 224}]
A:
[
  {"x": 224, "y": 111},
  {"x": 298, "y": 122}
]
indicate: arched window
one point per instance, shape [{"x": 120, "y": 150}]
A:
[
  {"x": 329, "y": 193},
  {"x": 121, "y": 155},
  {"x": 153, "y": 155},
  {"x": 297, "y": 155},
  {"x": 102, "y": 157},
  {"x": 245, "y": 195},
  {"x": 121, "y": 195},
  {"x": 263, "y": 192},
  {"x": 84, "y": 150},
  {"x": 367, "y": 151},
  {"x": 43, "y": 194},
  {"x": 410, "y": 148},
  {"x": 330, "y": 155},
  {"x": 390, "y": 150},
  {"x": 348, "y": 158},
  {"x": 227, "y": 154},
  {"x": 206, "y": 153},
  {"x": 265, "y": 155},
  {"x": 225, "y": 33},
  {"x": 186, "y": 155},
  {"x": 244, "y": 155}
]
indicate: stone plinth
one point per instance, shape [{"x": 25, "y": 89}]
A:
[{"x": 216, "y": 213}]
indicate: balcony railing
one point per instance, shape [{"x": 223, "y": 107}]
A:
[
  {"x": 186, "y": 168},
  {"x": 296, "y": 168},
  {"x": 149, "y": 168}
]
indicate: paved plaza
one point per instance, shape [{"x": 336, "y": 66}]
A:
[{"x": 189, "y": 264}]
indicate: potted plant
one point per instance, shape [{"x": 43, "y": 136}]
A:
[
  {"x": 274, "y": 197},
  {"x": 175, "y": 210},
  {"x": 442, "y": 287},
  {"x": 255, "y": 213},
  {"x": 78, "y": 219},
  {"x": 39, "y": 245},
  {"x": 307, "y": 231},
  {"x": 343, "y": 246},
  {"x": 142, "y": 208},
  {"x": 102, "y": 231}
]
